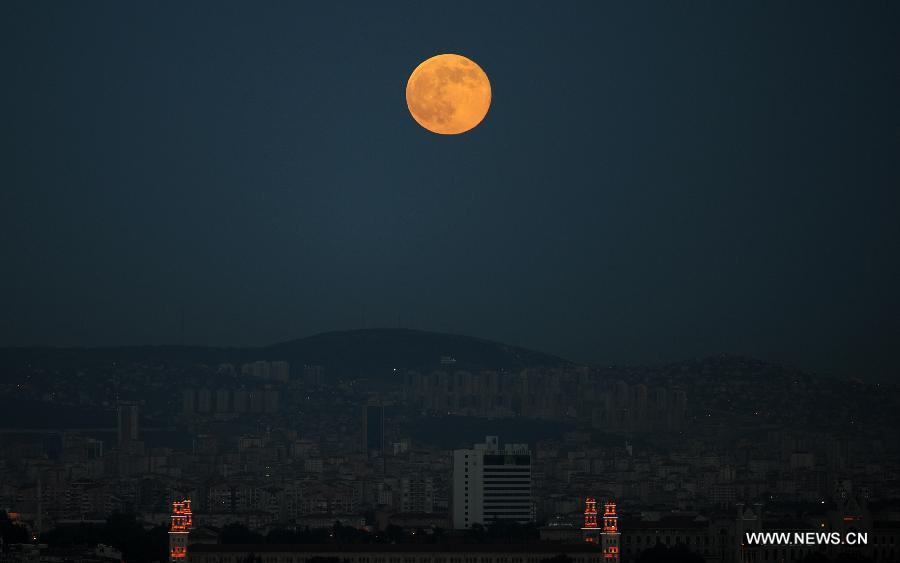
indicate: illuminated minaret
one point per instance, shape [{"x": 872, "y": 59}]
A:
[
  {"x": 610, "y": 535},
  {"x": 590, "y": 532},
  {"x": 182, "y": 522}
]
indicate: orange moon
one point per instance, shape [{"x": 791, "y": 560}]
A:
[{"x": 448, "y": 94}]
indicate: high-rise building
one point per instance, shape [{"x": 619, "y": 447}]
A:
[
  {"x": 270, "y": 400},
  {"x": 188, "y": 401},
  {"x": 204, "y": 400},
  {"x": 279, "y": 371},
  {"x": 417, "y": 494},
  {"x": 261, "y": 369},
  {"x": 127, "y": 416},
  {"x": 223, "y": 400},
  {"x": 258, "y": 369},
  {"x": 240, "y": 400},
  {"x": 257, "y": 400},
  {"x": 93, "y": 448},
  {"x": 373, "y": 428},
  {"x": 490, "y": 483},
  {"x": 313, "y": 375}
]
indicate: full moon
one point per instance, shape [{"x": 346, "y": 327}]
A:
[{"x": 448, "y": 94}]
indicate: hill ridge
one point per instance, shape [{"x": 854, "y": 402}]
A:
[{"x": 353, "y": 352}]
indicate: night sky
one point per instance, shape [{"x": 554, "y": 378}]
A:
[{"x": 654, "y": 180}]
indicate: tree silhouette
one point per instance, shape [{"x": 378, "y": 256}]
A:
[
  {"x": 853, "y": 558},
  {"x": 660, "y": 553},
  {"x": 236, "y": 533},
  {"x": 323, "y": 560},
  {"x": 121, "y": 531},
  {"x": 476, "y": 534},
  {"x": 11, "y": 532}
]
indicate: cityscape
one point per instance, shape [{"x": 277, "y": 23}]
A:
[
  {"x": 520, "y": 456},
  {"x": 506, "y": 281}
]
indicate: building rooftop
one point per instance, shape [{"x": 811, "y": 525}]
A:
[{"x": 666, "y": 522}]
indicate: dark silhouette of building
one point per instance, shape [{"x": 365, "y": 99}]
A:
[
  {"x": 127, "y": 422},
  {"x": 373, "y": 428}
]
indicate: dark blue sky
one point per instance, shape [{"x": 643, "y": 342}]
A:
[{"x": 654, "y": 180}]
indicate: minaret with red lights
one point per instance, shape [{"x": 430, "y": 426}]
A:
[
  {"x": 590, "y": 532},
  {"x": 182, "y": 522},
  {"x": 610, "y": 535}
]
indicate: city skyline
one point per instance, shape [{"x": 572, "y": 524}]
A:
[
  {"x": 297, "y": 460},
  {"x": 491, "y": 282}
]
